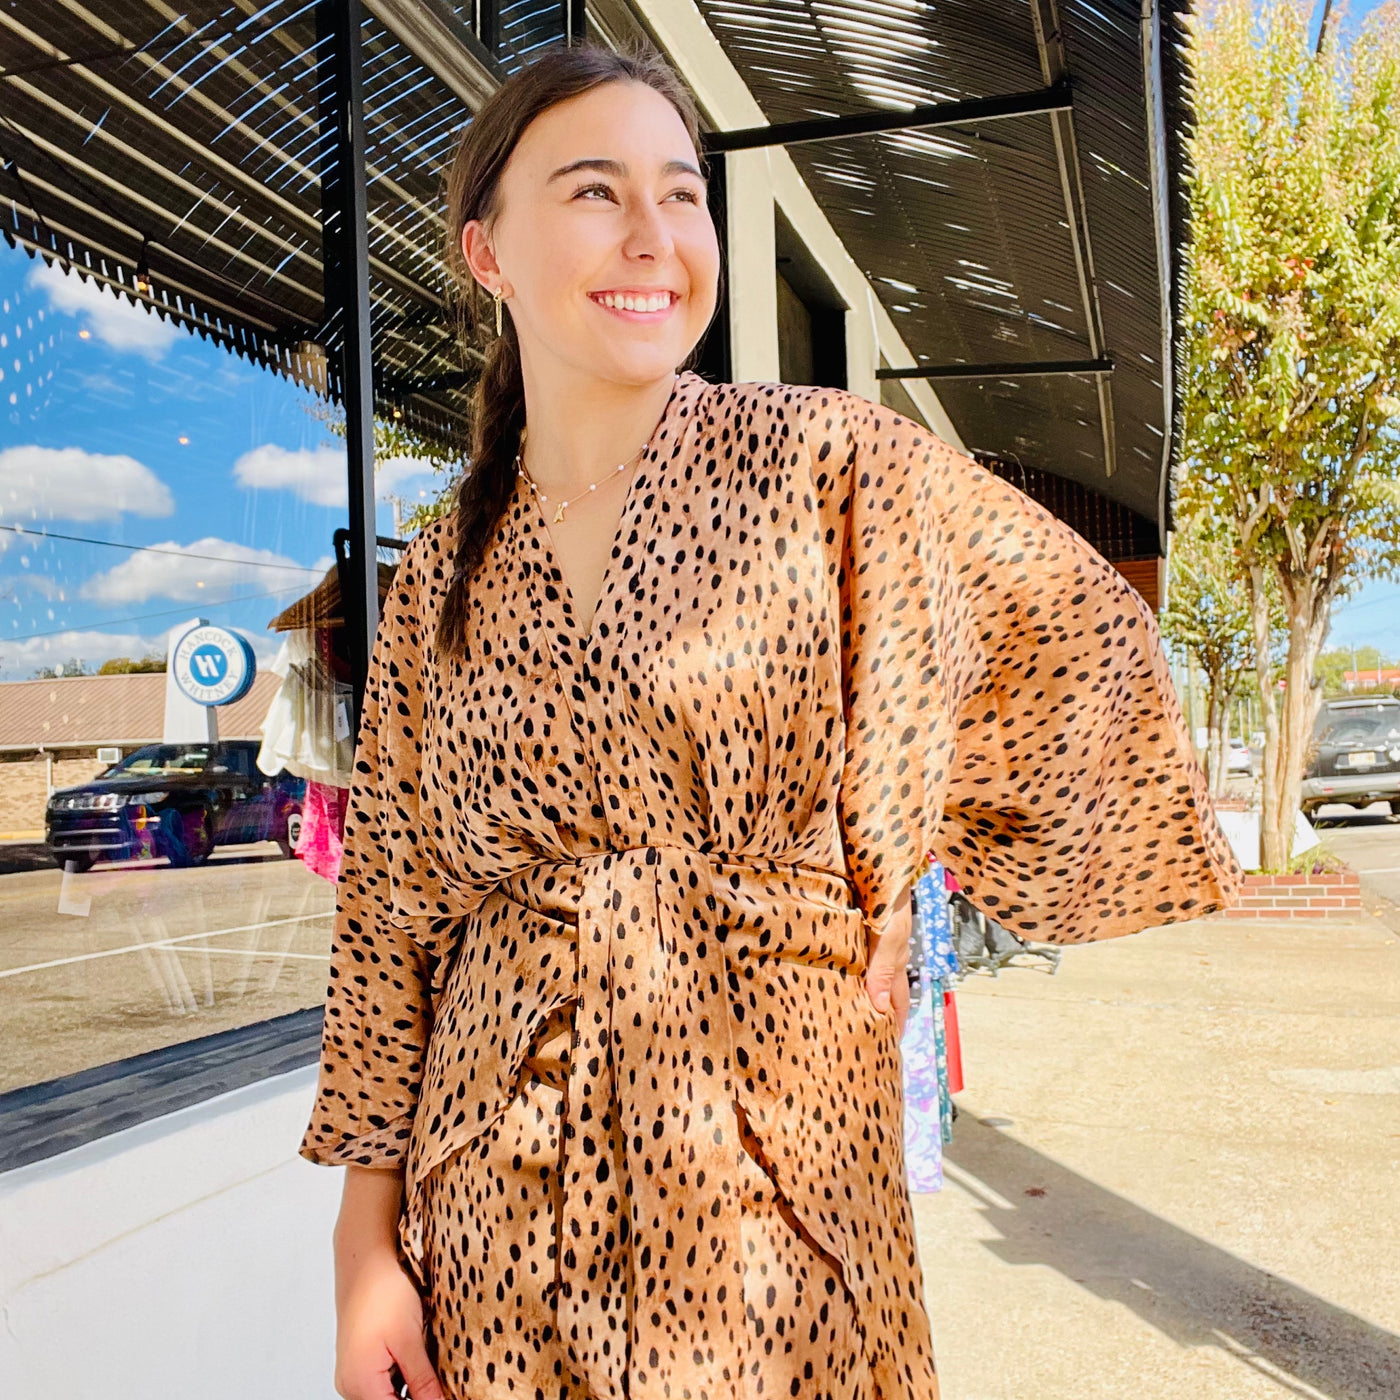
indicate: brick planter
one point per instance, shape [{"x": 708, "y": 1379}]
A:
[{"x": 1304, "y": 896}]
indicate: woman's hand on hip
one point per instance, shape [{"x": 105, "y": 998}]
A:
[
  {"x": 379, "y": 1315},
  {"x": 887, "y": 976},
  {"x": 379, "y": 1327}
]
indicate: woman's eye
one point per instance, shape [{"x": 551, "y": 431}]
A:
[
  {"x": 688, "y": 195},
  {"x": 594, "y": 189}
]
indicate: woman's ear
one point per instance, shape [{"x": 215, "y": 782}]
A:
[{"x": 479, "y": 256}]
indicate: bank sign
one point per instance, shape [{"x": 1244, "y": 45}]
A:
[{"x": 213, "y": 666}]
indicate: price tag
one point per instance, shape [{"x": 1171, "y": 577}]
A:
[{"x": 342, "y": 720}]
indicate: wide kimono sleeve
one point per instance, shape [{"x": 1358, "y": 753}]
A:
[
  {"x": 378, "y": 1010},
  {"x": 1008, "y": 703}
]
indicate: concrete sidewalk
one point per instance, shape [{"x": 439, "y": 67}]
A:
[{"x": 1176, "y": 1172}]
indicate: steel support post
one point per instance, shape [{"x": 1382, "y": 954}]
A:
[{"x": 346, "y": 255}]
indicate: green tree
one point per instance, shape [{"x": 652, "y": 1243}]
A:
[
  {"x": 126, "y": 666},
  {"x": 1333, "y": 665},
  {"x": 1292, "y": 385},
  {"x": 1207, "y": 618},
  {"x": 394, "y": 441},
  {"x": 72, "y": 667}
]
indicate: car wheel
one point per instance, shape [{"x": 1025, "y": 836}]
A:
[
  {"x": 189, "y": 837},
  {"x": 291, "y": 834},
  {"x": 1395, "y": 807}
]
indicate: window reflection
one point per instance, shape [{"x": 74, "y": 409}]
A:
[{"x": 166, "y": 854}]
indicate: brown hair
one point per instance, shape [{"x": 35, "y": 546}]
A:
[{"x": 473, "y": 189}]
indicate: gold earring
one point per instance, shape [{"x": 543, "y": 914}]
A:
[{"x": 498, "y": 311}]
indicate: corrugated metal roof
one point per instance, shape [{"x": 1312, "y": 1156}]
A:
[
  {"x": 193, "y": 136},
  {"x": 83, "y": 711},
  {"x": 199, "y": 133},
  {"x": 966, "y": 232}
]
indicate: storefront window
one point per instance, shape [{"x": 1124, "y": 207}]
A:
[{"x": 175, "y": 718}]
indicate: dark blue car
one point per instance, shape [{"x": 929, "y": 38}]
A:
[{"x": 174, "y": 800}]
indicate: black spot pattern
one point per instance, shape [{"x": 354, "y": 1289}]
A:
[{"x": 826, "y": 644}]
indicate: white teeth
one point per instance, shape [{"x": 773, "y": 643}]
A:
[{"x": 657, "y": 301}]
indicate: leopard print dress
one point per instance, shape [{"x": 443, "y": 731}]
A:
[{"x": 596, "y": 982}]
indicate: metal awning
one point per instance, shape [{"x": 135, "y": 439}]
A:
[
  {"x": 187, "y": 146},
  {"x": 1000, "y": 226},
  {"x": 1006, "y": 172}
]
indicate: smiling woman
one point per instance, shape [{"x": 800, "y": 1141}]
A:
[{"x": 660, "y": 726}]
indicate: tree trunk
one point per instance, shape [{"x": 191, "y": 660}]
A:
[
  {"x": 1307, "y": 629},
  {"x": 1215, "y": 728},
  {"x": 1269, "y": 855}
]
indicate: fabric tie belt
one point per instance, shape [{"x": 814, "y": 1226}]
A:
[{"x": 651, "y": 1301}]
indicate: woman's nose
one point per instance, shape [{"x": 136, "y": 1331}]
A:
[{"x": 647, "y": 233}]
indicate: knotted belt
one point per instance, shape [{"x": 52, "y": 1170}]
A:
[{"x": 650, "y": 1299}]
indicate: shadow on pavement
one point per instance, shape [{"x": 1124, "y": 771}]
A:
[
  {"x": 1352, "y": 819},
  {"x": 1187, "y": 1288},
  {"x": 17, "y": 856}
]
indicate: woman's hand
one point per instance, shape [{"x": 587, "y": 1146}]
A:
[
  {"x": 886, "y": 976},
  {"x": 379, "y": 1315}
]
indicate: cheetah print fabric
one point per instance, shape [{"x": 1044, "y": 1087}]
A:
[
  {"x": 826, "y": 645},
  {"x": 488, "y": 1234}
]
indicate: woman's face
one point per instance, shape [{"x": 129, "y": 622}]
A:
[{"x": 600, "y": 205}]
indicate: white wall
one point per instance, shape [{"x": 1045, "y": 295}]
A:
[{"x": 189, "y": 1256}]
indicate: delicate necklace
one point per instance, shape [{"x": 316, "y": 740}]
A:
[{"x": 562, "y": 506}]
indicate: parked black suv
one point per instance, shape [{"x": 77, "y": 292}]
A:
[
  {"x": 177, "y": 801},
  {"x": 1356, "y": 755}
]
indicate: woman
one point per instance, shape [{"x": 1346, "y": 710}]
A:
[{"x": 660, "y": 726}]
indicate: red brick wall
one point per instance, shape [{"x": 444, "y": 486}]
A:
[{"x": 1298, "y": 896}]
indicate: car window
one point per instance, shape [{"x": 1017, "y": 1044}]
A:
[
  {"x": 1359, "y": 726},
  {"x": 238, "y": 762},
  {"x": 164, "y": 758}
]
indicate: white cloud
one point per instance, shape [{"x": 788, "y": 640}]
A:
[
  {"x": 44, "y": 585},
  {"x": 19, "y": 660},
  {"x": 68, "y": 483},
  {"x": 176, "y": 573},
  {"x": 392, "y": 474},
  {"x": 317, "y": 474},
  {"x": 110, "y": 317}
]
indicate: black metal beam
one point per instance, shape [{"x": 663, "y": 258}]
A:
[
  {"x": 1055, "y": 98},
  {"x": 345, "y": 222},
  {"x": 488, "y": 26},
  {"x": 1028, "y": 369},
  {"x": 1054, "y": 68}
]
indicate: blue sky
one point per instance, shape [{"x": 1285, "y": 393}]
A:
[{"x": 117, "y": 426}]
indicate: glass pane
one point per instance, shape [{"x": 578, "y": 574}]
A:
[{"x": 150, "y": 480}]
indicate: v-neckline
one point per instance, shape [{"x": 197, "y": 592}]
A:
[{"x": 584, "y": 641}]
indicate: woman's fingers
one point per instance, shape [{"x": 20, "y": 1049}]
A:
[
  {"x": 366, "y": 1378},
  {"x": 886, "y": 977},
  {"x": 417, "y": 1371}
]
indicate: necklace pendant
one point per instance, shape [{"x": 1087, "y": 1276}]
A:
[{"x": 558, "y": 513}]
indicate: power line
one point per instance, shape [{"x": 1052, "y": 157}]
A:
[
  {"x": 156, "y": 549},
  {"x": 143, "y": 617}
]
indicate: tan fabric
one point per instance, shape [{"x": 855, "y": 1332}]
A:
[
  {"x": 826, "y": 644},
  {"x": 491, "y": 1273}
]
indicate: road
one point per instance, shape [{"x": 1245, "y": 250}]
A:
[
  {"x": 97, "y": 967},
  {"x": 1369, "y": 842}
]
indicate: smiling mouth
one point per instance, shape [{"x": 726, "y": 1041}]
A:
[{"x": 645, "y": 303}]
